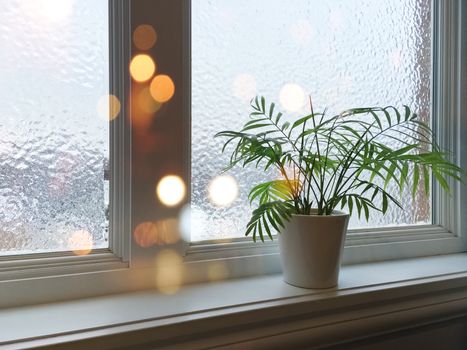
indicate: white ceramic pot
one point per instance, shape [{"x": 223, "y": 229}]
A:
[{"x": 311, "y": 249}]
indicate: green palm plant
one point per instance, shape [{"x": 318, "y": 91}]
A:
[{"x": 341, "y": 161}]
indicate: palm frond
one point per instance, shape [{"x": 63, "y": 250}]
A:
[{"x": 348, "y": 160}]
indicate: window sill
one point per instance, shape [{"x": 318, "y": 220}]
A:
[{"x": 371, "y": 299}]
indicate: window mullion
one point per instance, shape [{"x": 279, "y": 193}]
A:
[{"x": 120, "y": 133}]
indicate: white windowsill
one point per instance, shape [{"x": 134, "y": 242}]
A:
[{"x": 259, "y": 309}]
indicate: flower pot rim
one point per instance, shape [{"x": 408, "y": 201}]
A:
[{"x": 333, "y": 214}]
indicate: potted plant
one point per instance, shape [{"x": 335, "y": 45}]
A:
[{"x": 326, "y": 164}]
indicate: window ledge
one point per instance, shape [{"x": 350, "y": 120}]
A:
[{"x": 263, "y": 311}]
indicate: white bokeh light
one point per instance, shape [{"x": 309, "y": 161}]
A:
[
  {"x": 171, "y": 190},
  {"x": 292, "y": 97},
  {"x": 223, "y": 190},
  {"x": 184, "y": 221}
]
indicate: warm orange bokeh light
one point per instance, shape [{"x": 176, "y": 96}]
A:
[
  {"x": 146, "y": 103},
  {"x": 142, "y": 68},
  {"x": 162, "y": 88},
  {"x": 168, "y": 231},
  {"x": 140, "y": 116},
  {"x": 148, "y": 234},
  {"x": 144, "y": 37},
  {"x": 108, "y": 107},
  {"x": 145, "y": 234},
  {"x": 80, "y": 242}
]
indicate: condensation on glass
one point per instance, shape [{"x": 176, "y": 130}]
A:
[
  {"x": 344, "y": 54},
  {"x": 54, "y": 148}
]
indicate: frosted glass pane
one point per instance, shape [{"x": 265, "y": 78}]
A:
[
  {"x": 345, "y": 53},
  {"x": 53, "y": 147}
]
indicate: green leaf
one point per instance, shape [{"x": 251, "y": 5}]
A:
[
  {"x": 385, "y": 203},
  {"x": 426, "y": 179},
  {"x": 390, "y": 174},
  {"x": 271, "y": 110},
  {"x": 441, "y": 180},
  {"x": 343, "y": 201},
  {"x": 277, "y": 217},
  {"x": 256, "y": 106},
  {"x": 350, "y": 205},
  {"x": 260, "y": 231},
  {"x": 255, "y": 126},
  {"x": 266, "y": 226},
  {"x": 301, "y": 121},
  {"x": 359, "y": 206},
  {"x": 408, "y": 113},
  {"x": 254, "y": 121},
  {"x": 403, "y": 175},
  {"x": 272, "y": 221},
  {"x": 377, "y": 119},
  {"x": 285, "y": 126},
  {"x": 278, "y": 117},
  {"x": 367, "y": 211},
  {"x": 415, "y": 180}
]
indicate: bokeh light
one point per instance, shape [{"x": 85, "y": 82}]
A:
[
  {"x": 141, "y": 115},
  {"x": 145, "y": 234},
  {"x": 169, "y": 271},
  {"x": 144, "y": 36},
  {"x": 292, "y": 97},
  {"x": 142, "y": 68},
  {"x": 80, "y": 242},
  {"x": 223, "y": 190},
  {"x": 168, "y": 231},
  {"x": 108, "y": 107},
  {"x": 146, "y": 103},
  {"x": 244, "y": 87},
  {"x": 171, "y": 190},
  {"x": 162, "y": 88},
  {"x": 163, "y": 232},
  {"x": 217, "y": 271},
  {"x": 185, "y": 222}
]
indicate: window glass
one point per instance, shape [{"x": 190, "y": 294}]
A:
[
  {"x": 352, "y": 53},
  {"x": 54, "y": 127}
]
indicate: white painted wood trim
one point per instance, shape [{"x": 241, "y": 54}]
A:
[
  {"x": 256, "y": 313},
  {"x": 120, "y": 132},
  {"x": 45, "y": 278}
]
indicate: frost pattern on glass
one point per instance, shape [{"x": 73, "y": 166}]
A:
[
  {"x": 351, "y": 53},
  {"x": 53, "y": 146}
]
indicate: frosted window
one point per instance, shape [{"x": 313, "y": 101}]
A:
[
  {"x": 53, "y": 146},
  {"x": 345, "y": 53}
]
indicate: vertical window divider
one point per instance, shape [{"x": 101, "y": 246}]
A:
[
  {"x": 120, "y": 131},
  {"x": 447, "y": 25}
]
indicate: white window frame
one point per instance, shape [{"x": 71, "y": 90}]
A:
[
  {"x": 125, "y": 266},
  {"x": 116, "y": 256},
  {"x": 448, "y": 233}
]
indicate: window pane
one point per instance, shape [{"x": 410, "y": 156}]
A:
[
  {"x": 352, "y": 53},
  {"x": 53, "y": 146}
]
